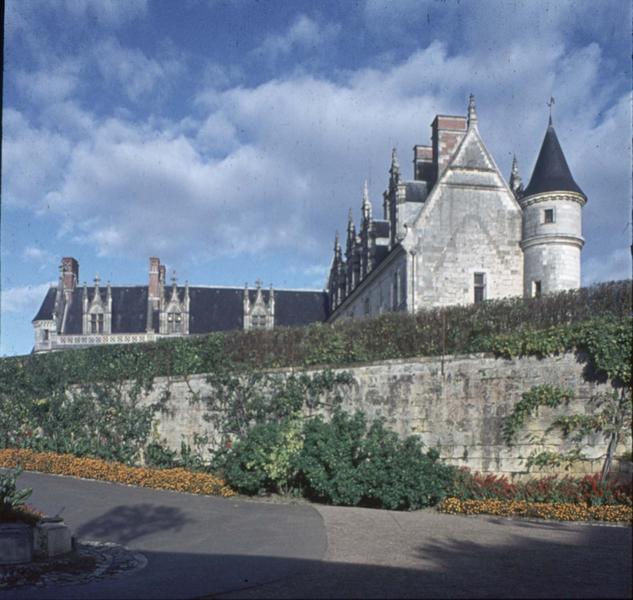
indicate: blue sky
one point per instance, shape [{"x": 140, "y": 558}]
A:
[{"x": 231, "y": 138}]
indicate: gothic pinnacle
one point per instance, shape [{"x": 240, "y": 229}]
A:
[
  {"x": 395, "y": 165},
  {"x": 472, "y": 111}
]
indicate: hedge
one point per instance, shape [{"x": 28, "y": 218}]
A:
[{"x": 450, "y": 330}]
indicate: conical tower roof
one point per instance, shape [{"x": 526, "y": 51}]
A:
[{"x": 551, "y": 173}]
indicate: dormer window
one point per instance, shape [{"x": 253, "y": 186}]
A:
[
  {"x": 174, "y": 321},
  {"x": 258, "y": 321},
  {"x": 96, "y": 323}
]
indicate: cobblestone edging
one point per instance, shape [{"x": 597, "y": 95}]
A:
[{"x": 88, "y": 562}]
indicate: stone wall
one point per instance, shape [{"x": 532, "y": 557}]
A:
[{"x": 456, "y": 403}]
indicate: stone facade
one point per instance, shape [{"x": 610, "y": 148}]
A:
[
  {"x": 454, "y": 403},
  {"x": 458, "y": 233}
]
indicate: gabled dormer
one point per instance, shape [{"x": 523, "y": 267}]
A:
[
  {"x": 97, "y": 311},
  {"x": 174, "y": 310},
  {"x": 260, "y": 312}
]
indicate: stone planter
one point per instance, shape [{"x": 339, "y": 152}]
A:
[
  {"x": 51, "y": 537},
  {"x": 16, "y": 543}
]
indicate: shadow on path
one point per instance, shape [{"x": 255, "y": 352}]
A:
[{"x": 124, "y": 524}]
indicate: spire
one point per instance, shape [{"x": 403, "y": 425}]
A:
[
  {"x": 472, "y": 111},
  {"x": 350, "y": 223},
  {"x": 551, "y": 172},
  {"x": 337, "y": 249},
  {"x": 395, "y": 165},
  {"x": 515, "y": 179},
  {"x": 366, "y": 206},
  {"x": 174, "y": 287},
  {"x": 97, "y": 294}
]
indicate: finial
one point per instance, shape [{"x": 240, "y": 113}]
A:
[
  {"x": 173, "y": 277},
  {"x": 550, "y": 103},
  {"x": 337, "y": 244},
  {"x": 97, "y": 280},
  {"x": 472, "y": 111},
  {"x": 395, "y": 165},
  {"x": 350, "y": 221},
  {"x": 258, "y": 283},
  {"x": 515, "y": 179}
]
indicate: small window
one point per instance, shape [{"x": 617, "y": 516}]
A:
[
  {"x": 480, "y": 287},
  {"x": 93, "y": 323},
  {"x": 548, "y": 215},
  {"x": 367, "y": 307},
  {"x": 173, "y": 322},
  {"x": 258, "y": 321},
  {"x": 536, "y": 289},
  {"x": 45, "y": 335}
]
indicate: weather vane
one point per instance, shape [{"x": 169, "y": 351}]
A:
[{"x": 550, "y": 103}]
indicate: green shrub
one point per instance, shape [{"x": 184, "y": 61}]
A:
[
  {"x": 331, "y": 455},
  {"x": 264, "y": 459},
  {"x": 344, "y": 463},
  {"x": 11, "y": 499}
]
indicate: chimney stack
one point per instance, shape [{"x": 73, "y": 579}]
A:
[
  {"x": 70, "y": 273},
  {"x": 153, "y": 290},
  {"x": 447, "y": 133}
]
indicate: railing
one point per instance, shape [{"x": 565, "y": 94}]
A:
[{"x": 105, "y": 338}]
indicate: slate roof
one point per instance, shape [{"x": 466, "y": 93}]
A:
[
  {"x": 48, "y": 304},
  {"x": 551, "y": 173},
  {"x": 416, "y": 191},
  {"x": 380, "y": 228},
  {"x": 210, "y": 308}
]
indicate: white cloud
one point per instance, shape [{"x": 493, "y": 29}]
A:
[
  {"x": 42, "y": 257},
  {"x": 304, "y": 33},
  {"x": 110, "y": 13},
  {"x": 24, "y": 299},
  {"x": 276, "y": 166},
  {"x": 52, "y": 83},
  {"x": 136, "y": 74}
]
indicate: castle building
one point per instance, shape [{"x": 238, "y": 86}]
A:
[{"x": 456, "y": 233}]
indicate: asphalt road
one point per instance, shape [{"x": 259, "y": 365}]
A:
[{"x": 200, "y": 546}]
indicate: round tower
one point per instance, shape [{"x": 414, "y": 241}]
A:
[{"x": 552, "y": 223}]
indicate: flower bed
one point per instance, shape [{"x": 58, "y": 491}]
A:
[
  {"x": 541, "y": 510},
  {"x": 179, "y": 480}
]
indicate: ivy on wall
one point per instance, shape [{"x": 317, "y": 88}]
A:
[
  {"x": 606, "y": 346},
  {"x": 88, "y": 401}
]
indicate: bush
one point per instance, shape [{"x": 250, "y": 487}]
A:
[
  {"x": 330, "y": 459},
  {"x": 343, "y": 463},
  {"x": 264, "y": 459},
  {"x": 585, "y": 491},
  {"x": 11, "y": 498}
]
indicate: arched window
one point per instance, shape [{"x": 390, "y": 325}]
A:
[
  {"x": 96, "y": 322},
  {"x": 174, "y": 322}
]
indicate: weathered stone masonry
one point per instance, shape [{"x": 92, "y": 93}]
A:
[{"x": 456, "y": 403}]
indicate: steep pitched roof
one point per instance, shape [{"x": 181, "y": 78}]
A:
[
  {"x": 551, "y": 173},
  {"x": 210, "y": 308},
  {"x": 48, "y": 304}
]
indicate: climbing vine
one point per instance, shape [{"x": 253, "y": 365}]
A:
[{"x": 605, "y": 345}]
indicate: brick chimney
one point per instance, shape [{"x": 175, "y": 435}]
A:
[
  {"x": 153, "y": 289},
  {"x": 423, "y": 168},
  {"x": 69, "y": 273},
  {"x": 447, "y": 133}
]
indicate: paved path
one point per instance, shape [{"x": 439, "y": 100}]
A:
[{"x": 213, "y": 547}]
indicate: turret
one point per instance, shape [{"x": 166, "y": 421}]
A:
[{"x": 552, "y": 222}]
